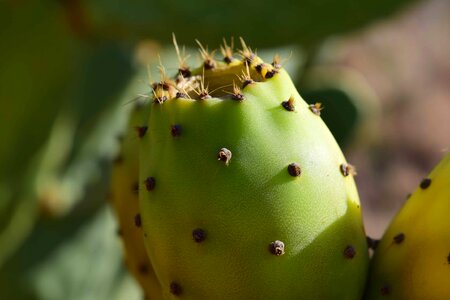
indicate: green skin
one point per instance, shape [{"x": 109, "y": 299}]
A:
[
  {"x": 125, "y": 203},
  {"x": 251, "y": 202}
]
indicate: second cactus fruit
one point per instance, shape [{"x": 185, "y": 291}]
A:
[{"x": 412, "y": 261}]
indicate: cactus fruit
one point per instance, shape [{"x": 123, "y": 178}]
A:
[
  {"x": 124, "y": 200},
  {"x": 245, "y": 192},
  {"x": 412, "y": 260}
]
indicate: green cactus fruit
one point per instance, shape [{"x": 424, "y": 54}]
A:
[
  {"x": 412, "y": 261},
  {"x": 125, "y": 203},
  {"x": 245, "y": 192}
]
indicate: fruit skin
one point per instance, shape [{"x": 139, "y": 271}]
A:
[
  {"x": 125, "y": 203},
  {"x": 412, "y": 260},
  {"x": 245, "y": 227}
]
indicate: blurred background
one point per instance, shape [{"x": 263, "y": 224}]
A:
[{"x": 69, "y": 67}]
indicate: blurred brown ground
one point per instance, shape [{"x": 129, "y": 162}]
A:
[{"x": 407, "y": 61}]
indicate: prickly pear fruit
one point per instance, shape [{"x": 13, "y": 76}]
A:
[
  {"x": 245, "y": 193},
  {"x": 412, "y": 260},
  {"x": 124, "y": 199}
]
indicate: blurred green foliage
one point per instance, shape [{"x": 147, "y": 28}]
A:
[
  {"x": 67, "y": 70},
  {"x": 46, "y": 72},
  {"x": 305, "y": 22},
  {"x": 80, "y": 260},
  {"x": 33, "y": 76}
]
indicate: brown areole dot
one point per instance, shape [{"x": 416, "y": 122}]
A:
[
  {"x": 248, "y": 58},
  {"x": 175, "y": 288},
  {"x": 119, "y": 231},
  {"x": 160, "y": 100},
  {"x": 137, "y": 220},
  {"x": 120, "y": 137},
  {"x": 180, "y": 95},
  {"x": 141, "y": 131},
  {"x": 270, "y": 74},
  {"x": 276, "y": 248},
  {"x": 109, "y": 196},
  {"x": 208, "y": 57},
  {"x": 224, "y": 155},
  {"x": 237, "y": 94},
  {"x": 228, "y": 59},
  {"x": 294, "y": 170},
  {"x": 276, "y": 64},
  {"x": 448, "y": 258},
  {"x": 204, "y": 95},
  {"x": 349, "y": 252},
  {"x": 385, "y": 290},
  {"x": 175, "y": 130},
  {"x": 425, "y": 183},
  {"x": 259, "y": 67},
  {"x": 150, "y": 183},
  {"x": 199, "y": 235},
  {"x": 289, "y": 104},
  {"x": 238, "y": 97},
  {"x": 135, "y": 188},
  {"x": 316, "y": 108},
  {"x": 276, "y": 61},
  {"x": 185, "y": 72},
  {"x": 399, "y": 238},
  {"x": 247, "y": 82},
  {"x": 209, "y": 64},
  {"x": 372, "y": 243},
  {"x": 227, "y": 51},
  {"x": 118, "y": 160},
  {"x": 143, "y": 268},
  {"x": 165, "y": 86},
  {"x": 347, "y": 169}
]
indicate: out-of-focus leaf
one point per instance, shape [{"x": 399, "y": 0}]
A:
[
  {"x": 37, "y": 59},
  {"x": 76, "y": 258},
  {"x": 304, "y": 22},
  {"x": 19, "y": 214},
  {"x": 45, "y": 72},
  {"x": 85, "y": 268},
  {"x": 99, "y": 116},
  {"x": 35, "y": 55}
]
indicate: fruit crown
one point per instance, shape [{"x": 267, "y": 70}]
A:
[{"x": 223, "y": 77}]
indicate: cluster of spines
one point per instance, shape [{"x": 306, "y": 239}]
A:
[
  {"x": 252, "y": 60},
  {"x": 227, "y": 51},
  {"x": 186, "y": 84}
]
